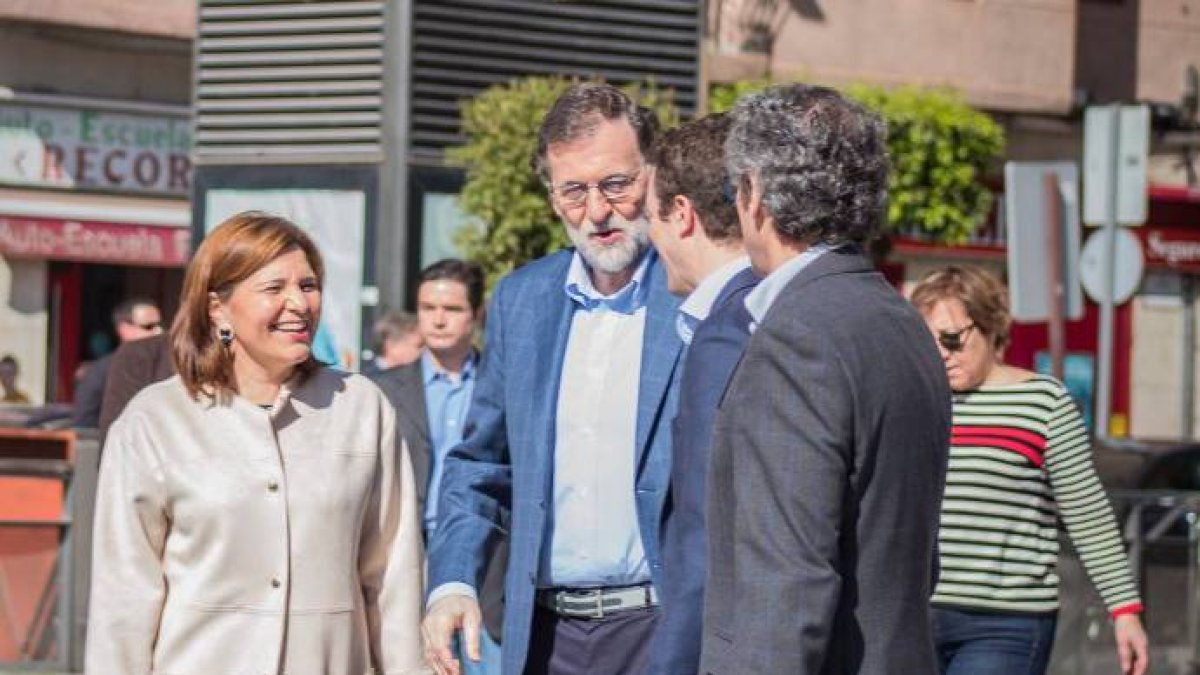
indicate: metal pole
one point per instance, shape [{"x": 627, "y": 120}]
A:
[
  {"x": 1188, "y": 386},
  {"x": 1104, "y": 365},
  {"x": 1057, "y": 286}
]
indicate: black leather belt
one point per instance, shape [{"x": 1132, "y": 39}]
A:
[{"x": 596, "y": 603}]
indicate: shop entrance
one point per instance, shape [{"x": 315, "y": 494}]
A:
[{"x": 82, "y": 297}]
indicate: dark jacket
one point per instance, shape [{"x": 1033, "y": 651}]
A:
[
  {"x": 133, "y": 366},
  {"x": 717, "y": 345},
  {"x": 828, "y": 464}
]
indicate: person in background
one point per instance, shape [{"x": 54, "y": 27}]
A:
[
  {"x": 222, "y": 542},
  {"x": 1020, "y": 459},
  {"x": 829, "y": 450},
  {"x": 9, "y": 371},
  {"x": 432, "y": 397},
  {"x": 135, "y": 365},
  {"x": 396, "y": 340},
  {"x": 566, "y": 450},
  {"x": 133, "y": 319},
  {"x": 694, "y": 228}
]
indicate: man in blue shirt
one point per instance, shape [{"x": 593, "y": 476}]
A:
[
  {"x": 432, "y": 396},
  {"x": 567, "y": 447}
]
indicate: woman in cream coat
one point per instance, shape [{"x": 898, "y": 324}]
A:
[{"x": 253, "y": 517}]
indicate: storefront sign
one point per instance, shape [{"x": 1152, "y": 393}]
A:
[
  {"x": 1175, "y": 248},
  {"x": 86, "y": 241},
  {"x": 73, "y": 148}
]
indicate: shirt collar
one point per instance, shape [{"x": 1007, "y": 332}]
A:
[
  {"x": 699, "y": 303},
  {"x": 430, "y": 370},
  {"x": 628, "y": 300},
  {"x": 759, "y": 300}
]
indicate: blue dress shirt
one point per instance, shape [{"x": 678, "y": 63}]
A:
[{"x": 447, "y": 398}]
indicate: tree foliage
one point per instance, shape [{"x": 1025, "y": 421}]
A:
[
  {"x": 940, "y": 150},
  {"x": 516, "y": 222}
]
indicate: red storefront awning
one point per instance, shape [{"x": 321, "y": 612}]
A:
[{"x": 93, "y": 241}]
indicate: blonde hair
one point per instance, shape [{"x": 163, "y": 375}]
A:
[
  {"x": 981, "y": 293},
  {"x": 231, "y": 253}
]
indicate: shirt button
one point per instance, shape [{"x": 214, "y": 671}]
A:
[
  {"x": 273, "y": 486},
  {"x": 276, "y": 583}
]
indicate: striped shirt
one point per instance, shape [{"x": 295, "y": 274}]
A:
[{"x": 1020, "y": 459}]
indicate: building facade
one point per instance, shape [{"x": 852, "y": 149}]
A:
[{"x": 95, "y": 173}]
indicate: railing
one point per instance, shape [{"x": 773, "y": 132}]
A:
[{"x": 1162, "y": 532}]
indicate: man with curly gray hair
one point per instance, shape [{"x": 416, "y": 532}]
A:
[{"x": 829, "y": 450}]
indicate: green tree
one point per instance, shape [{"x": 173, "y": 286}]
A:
[
  {"x": 516, "y": 222},
  {"x": 940, "y": 150}
]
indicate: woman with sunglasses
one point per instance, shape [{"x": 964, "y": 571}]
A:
[{"x": 1020, "y": 458}]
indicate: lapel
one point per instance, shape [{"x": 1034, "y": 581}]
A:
[
  {"x": 660, "y": 352},
  {"x": 548, "y": 337}
]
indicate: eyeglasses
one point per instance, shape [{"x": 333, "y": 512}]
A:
[
  {"x": 616, "y": 189},
  {"x": 954, "y": 341}
]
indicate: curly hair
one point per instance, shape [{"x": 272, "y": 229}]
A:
[{"x": 820, "y": 158}]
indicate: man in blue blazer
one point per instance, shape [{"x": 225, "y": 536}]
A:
[
  {"x": 695, "y": 229},
  {"x": 567, "y": 444}
]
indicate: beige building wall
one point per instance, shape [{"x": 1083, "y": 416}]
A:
[
  {"x": 24, "y": 321},
  {"x": 1156, "y": 367},
  {"x": 1168, "y": 41},
  {"x": 1012, "y": 55}
]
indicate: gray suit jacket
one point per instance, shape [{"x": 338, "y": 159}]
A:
[
  {"x": 405, "y": 389},
  {"x": 827, "y": 470}
]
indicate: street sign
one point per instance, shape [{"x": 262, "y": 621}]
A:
[
  {"x": 1120, "y": 136},
  {"x": 1029, "y": 263},
  {"x": 1128, "y": 266}
]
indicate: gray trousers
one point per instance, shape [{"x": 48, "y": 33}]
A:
[{"x": 618, "y": 644}]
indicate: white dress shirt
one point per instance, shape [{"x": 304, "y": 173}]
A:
[
  {"x": 593, "y": 538},
  {"x": 699, "y": 302}
]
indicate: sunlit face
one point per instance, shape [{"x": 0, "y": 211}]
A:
[
  {"x": 665, "y": 237},
  {"x": 273, "y": 313},
  {"x": 144, "y": 321},
  {"x": 610, "y": 234},
  {"x": 444, "y": 316},
  {"x": 968, "y": 366}
]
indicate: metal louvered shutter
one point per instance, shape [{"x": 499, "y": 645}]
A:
[
  {"x": 282, "y": 82},
  {"x": 463, "y": 46}
]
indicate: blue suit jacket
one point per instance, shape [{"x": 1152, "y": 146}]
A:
[
  {"x": 500, "y": 477},
  {"x": 716, "y": 347}
]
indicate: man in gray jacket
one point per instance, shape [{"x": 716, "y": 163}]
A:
[{"x": 830, "y": 445}]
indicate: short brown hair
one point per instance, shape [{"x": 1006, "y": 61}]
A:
[
  {"x": 690, "y": 161},
  {"x": 231, "y": 253},
  {"x": 580, "y": 109},
  {"x": 981, "y": 293}
]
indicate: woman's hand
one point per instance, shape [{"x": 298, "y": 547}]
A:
[{"x": 1133, "y": 649}]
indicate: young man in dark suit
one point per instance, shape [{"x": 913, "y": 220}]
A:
[
  {"x": 829, "y": 452},
  {"x": 695, "y": 229},
  {"x": 431, "y": 396}
]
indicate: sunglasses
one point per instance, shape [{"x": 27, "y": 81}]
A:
[
  {"x": 954, "y": 341},
  {"x": 153, "y": 325}
]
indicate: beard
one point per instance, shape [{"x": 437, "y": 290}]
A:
[{"x": 616, "y": 257}]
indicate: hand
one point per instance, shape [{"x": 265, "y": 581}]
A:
[
  {"x": 1133, "y": 649},
  {"x": 447, "y": 616}
]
